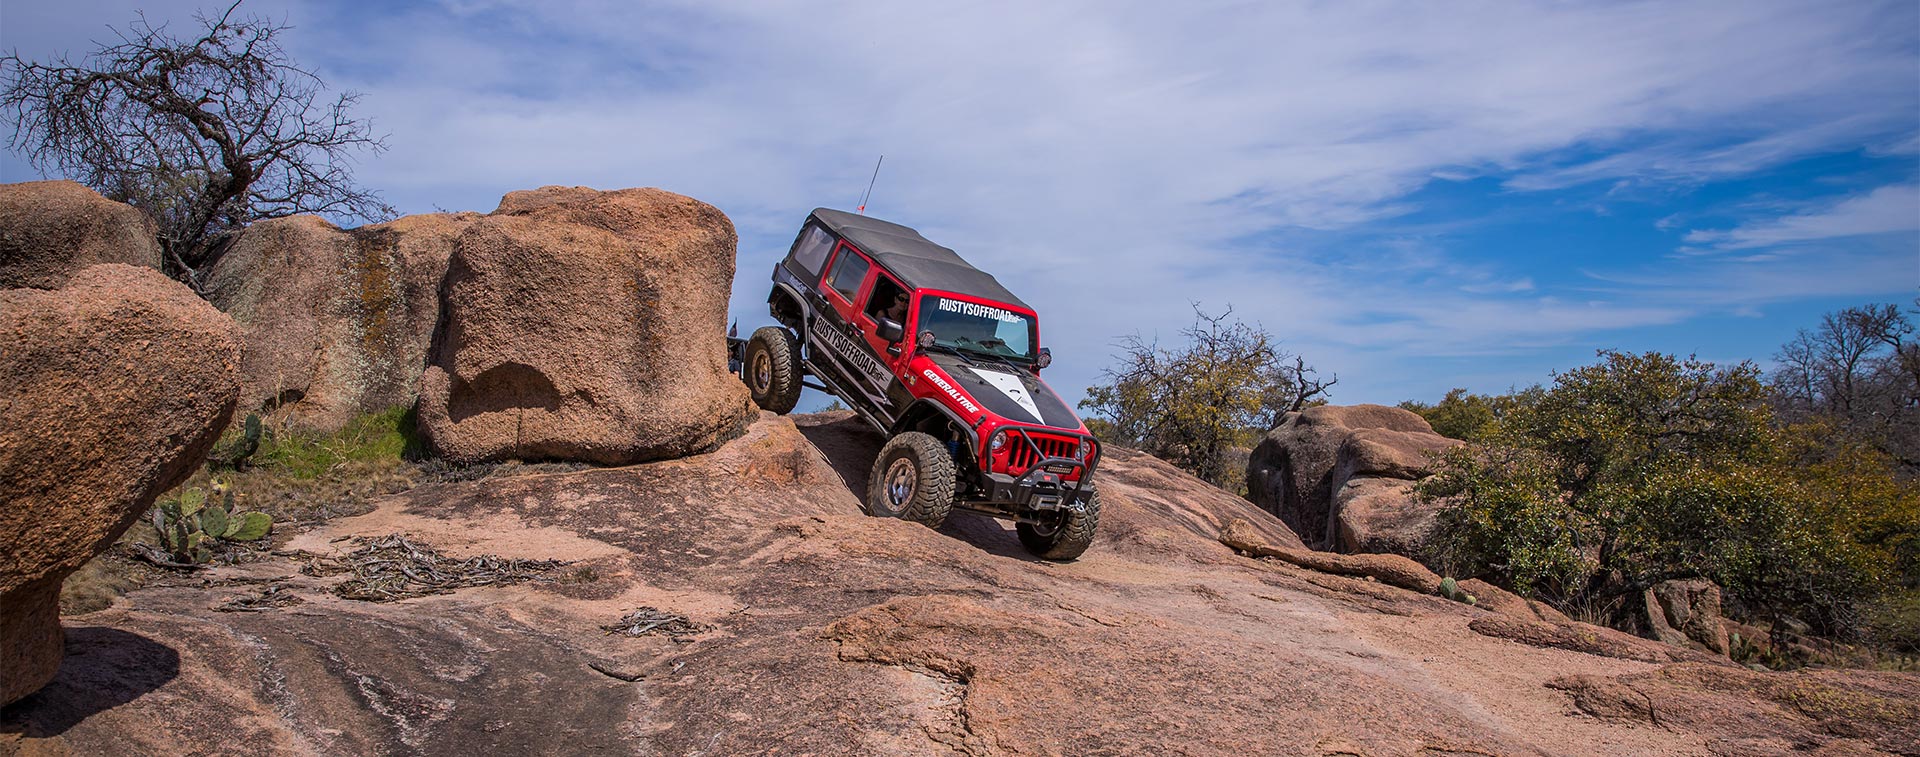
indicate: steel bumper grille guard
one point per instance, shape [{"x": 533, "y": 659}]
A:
[{"x": 1046, "y": 458}]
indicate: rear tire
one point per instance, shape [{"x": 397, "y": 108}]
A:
[
  {"x": 771, "y": 369},
  {"x": 1068, "y": 537},
  {"x": 913, "y": 480}
]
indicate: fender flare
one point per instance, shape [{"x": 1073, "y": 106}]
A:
[
  {"x": 781, "y": 288},
  {"x": 914, "y": 409}
]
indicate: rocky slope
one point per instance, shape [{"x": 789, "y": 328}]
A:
[{"x": 817, "y": 630}]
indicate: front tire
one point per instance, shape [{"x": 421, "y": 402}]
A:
[
  {"x": 771, "y": 369},
  {"x": 913, "y": 480},
  {"x": 1066, "y": 537}
]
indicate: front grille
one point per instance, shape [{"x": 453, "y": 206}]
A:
[{"x": 1022, "y": 456}]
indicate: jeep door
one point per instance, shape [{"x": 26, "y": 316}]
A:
[
  {"x": 845, "y": 332},
  {"x": 886, "y": 297},
  {"x": 880, "y": 300}
]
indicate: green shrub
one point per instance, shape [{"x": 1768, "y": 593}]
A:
[
  {"x": 386, "y": 435},
  {"x": 1465, "y": 416},
  {"x": 1645, "y": 468}
]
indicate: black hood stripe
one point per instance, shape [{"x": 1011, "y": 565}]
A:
[{"x": 1053, "y": 411}]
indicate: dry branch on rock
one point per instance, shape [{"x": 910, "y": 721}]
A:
[
  {"x": 648, "y": 621},
  {"x": 274, "y": 597},
  {"x": 394, "y": 567}
]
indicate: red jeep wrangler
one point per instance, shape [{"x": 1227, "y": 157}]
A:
[{"x": 943, "y": 360}]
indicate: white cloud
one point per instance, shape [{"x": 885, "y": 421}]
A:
[
  {"x": 1888, "y": 209},
  {"x": 1112, "y": 160}
]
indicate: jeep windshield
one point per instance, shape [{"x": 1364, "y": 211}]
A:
[{"x": 979, "y": 329}]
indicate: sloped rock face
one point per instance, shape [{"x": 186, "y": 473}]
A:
[
  {"x": 823, "y": 631},
  {"x": 112, "y": 389},
  {"x": 1339, "y": 476},
  {"x": 50, "y": 230},
  {"x": 584, "y": 325},
  {"x": 337, "y": 322},
  {"x": 1748, "y": 712}
]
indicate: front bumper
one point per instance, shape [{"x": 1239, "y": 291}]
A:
[{"x": 1044, "y": 485}]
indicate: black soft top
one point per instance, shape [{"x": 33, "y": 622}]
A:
[{"x": 915, "y": 259}]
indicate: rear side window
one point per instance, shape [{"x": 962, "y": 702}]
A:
[
  {"x": 811, "y": 249},
  {"x": 849, "y": 269}
]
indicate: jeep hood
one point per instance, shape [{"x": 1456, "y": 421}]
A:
[{"x": 1007, "y": 392}]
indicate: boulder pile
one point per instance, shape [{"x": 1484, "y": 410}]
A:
[
  {"x": 1342, "y": 476},
  {"x": 112, "y": 389}
]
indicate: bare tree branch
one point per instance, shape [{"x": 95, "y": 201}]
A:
[{"x": 205, "y": 135}]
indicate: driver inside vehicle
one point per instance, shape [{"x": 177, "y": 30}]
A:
[{"x": 897, "y": 312}]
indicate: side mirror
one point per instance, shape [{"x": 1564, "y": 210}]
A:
[
  {"x": 1045, "y": 359},
  {"x": 889, "y": 330}
]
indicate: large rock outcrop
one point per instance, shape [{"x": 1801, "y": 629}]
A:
[
  {"x": 337, "y": 322},
  {"x": 1341, "y": 476},
  {"x": 818, "y": 630},
  {"x": 111, "y": 391},
  {"x": 585, "y": 325},
  {"x": 50, "y": 230}
]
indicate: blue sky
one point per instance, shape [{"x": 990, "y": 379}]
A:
[{"x": 1414, "y": 196}]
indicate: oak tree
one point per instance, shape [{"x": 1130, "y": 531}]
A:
[{"x": 1194, "y": 405}]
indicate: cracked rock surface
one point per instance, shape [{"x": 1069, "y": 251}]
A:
[{"x": 822, "y": 631}]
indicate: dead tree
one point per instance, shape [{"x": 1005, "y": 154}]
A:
[{"x": 206, "y": 135}]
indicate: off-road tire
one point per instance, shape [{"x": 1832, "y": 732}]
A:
[
  {"x": 912, "y": 480},
  {"x": 1066, "y": 540},
  {"x": 771, "y": 369}
]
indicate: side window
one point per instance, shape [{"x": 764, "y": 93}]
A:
[
  {"x": 849, "y": 269},
  {"x": 887, "y": 300},
  {"x": 811, "y": 249}
]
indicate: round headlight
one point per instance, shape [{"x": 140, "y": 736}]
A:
[
  {"x": 999, "y": 440},
  {"x": 1086, "y": 448}
]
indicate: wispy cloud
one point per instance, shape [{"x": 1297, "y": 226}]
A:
[
  {"x": 1114, "y": 160},
  {"x": 1886, "y": 210}
]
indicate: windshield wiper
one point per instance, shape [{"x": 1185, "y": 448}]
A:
[
  {"x": 957, "y": 352},
  {"x": 996, "y": 357}
]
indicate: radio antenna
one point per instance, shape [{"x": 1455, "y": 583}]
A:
[{"x": 876, "y": 177}]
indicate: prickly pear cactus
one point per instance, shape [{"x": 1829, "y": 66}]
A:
[
  {"x": 1450, "y": 589},
  {"x": 213, "y": 521},
  {"x": 191, "y": 501},
  {"x": 249, "y": 526},
  {"x": 190, "y": 528}
]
